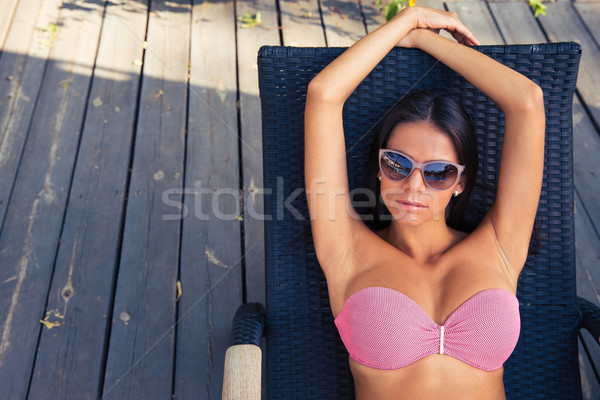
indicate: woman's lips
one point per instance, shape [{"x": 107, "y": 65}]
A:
[{"x": 411, "y": 205}]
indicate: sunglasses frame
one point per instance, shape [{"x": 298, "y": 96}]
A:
[{"x": 420, "y": 167}]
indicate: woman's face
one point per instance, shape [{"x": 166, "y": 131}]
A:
[{"x": 411, "y": 201}]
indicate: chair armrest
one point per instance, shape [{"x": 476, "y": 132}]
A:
[
  {"x": 248, "y": 324},
  {"x": 590, "y": 317},
  {"x": 243, "y": 359}
]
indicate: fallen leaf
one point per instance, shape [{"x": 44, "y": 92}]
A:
[
  {"x": 49, "y": 324},
  {"x": 249, "y": 21},
  {"x": 52, "y": 324}
]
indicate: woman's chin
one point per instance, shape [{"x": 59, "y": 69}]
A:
[{"x": 411, "y": 218}]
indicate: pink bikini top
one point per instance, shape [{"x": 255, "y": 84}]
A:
[{"x": 385, "y": 329}]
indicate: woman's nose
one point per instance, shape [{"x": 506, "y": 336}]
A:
[{"x": 415, "y": 180}]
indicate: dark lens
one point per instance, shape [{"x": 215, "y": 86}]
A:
[
  {"x": 395, "y": 166},
  {"x": 440, "y": 175}
]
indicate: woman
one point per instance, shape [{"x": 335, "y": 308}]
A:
[{"x": 426, "y": 311}]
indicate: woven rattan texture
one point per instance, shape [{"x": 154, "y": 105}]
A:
[
  {"x": 305, "y": 357},
  {"x": 248, "y": 324}
]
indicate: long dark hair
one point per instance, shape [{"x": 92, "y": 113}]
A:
[{"x": 451, "y": 118}]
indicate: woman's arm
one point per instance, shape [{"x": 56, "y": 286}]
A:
[
  {"x": 521, "y": 163},
  {"x": 334, "y": 221}
]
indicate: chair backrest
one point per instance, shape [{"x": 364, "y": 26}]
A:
[{"x": 305, "y": 357}]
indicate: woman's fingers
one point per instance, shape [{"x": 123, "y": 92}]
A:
[
  {"x": 430, "y": 18},
  {"x": 460, "y": 32},
  {"x": 465, "y": 36}
]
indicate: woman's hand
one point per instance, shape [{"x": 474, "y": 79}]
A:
[
  {"x": 412, "y": 37},
  {"x": 431, "y": 19}
]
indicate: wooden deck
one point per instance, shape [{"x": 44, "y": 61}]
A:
[{"x": 130, "y": 161}]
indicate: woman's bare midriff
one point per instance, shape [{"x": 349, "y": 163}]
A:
[{"x": 433, "y": 377}]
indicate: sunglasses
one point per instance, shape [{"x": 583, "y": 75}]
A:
[{"x": 438, "y": 175}]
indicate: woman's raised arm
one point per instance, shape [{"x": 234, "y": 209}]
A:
[
  {"x": 334, "y": 221},
  {"x": 521, "y": 163}
]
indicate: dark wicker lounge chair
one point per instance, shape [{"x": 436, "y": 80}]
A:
[{"x": 305, "y": 357}]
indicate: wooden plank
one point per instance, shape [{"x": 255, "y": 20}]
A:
[
  {"x": 22, "y": 65},
  {"x": 588, "y": 254},
  {"x": 516, "y": 23},
  {"x": 476, "y": 16},
  {"x": 588, "y": 258},
  {"x": 561, "y": 23},
  {"x": 374, "y": 17},
  {"x": 211, "y": 256},
  {"x": 88, "y": 253},
  {"x": 142, "y": 343},
  {"x": 586, "y": 147},
  {"x": 438, "y": 4},
  {"x": 584, "y": 1},
  {"x": 589, "y": 383},
  {"x": 301, "y": 23},
  {"x": 587, "y": 289},
  {"x": 589, "y": 355},
  {"x": 6, "y": 19},
  {"x": 249, "y": 41},
  {"x": 343, "y": 22},
  {"x": 589, "y": 351},
  {"x": 31, "y": 231},
  {"x": 590, "y": 13}
]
